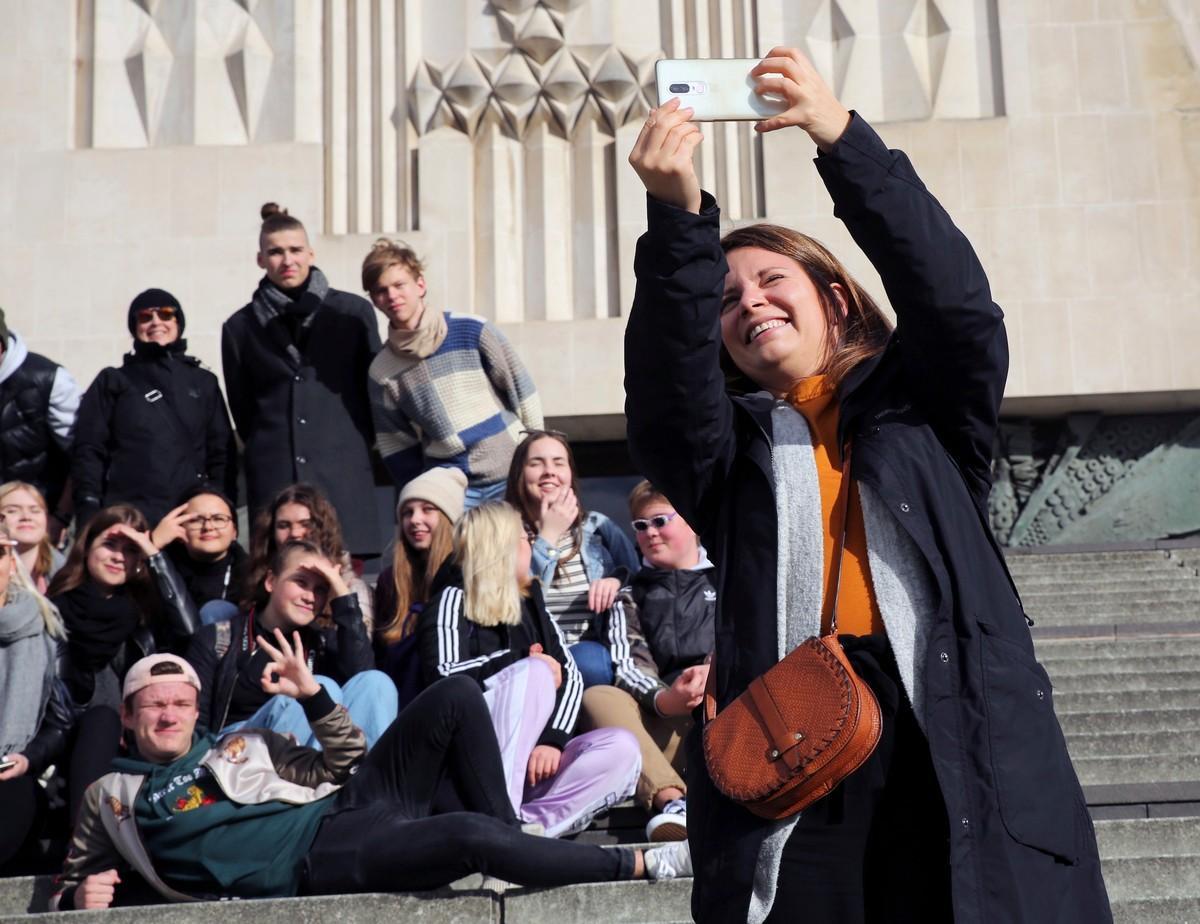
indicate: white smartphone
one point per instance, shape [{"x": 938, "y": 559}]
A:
[{"x": 717, "y": 89}]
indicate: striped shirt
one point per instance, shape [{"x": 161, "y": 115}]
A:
[{"x": 567, "y": 595}]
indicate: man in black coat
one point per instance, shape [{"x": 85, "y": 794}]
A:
[
  {"x": 296, "y": 360},
  {"x": 156, "y": 427},
  {"x": 38, "y": 403}
]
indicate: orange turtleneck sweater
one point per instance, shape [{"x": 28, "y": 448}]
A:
[{"x": 858, "y": 611}]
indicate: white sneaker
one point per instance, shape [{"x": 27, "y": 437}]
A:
[
  {"x": 670, "y": 824},
  {"x": 669, "y": 861}
]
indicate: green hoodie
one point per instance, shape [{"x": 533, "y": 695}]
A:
[{"x": 203, "y": 843}]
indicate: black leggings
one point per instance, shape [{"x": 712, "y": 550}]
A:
[
  {"x": 23, "y": 808},
  {"x": 876, "y": 849},
  {"x": 94, "y": 744},
  {"x": 381, "y": 836}
]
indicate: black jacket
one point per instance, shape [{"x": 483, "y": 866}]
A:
[
  {"x": 28, "y": 449},
  {"x": 921, "y": 419},
  {"x": 206, "y": 581},
  {"x": 338, "y": 652},
  {"x": 149, "y": 431},
  {"x": 170, "y": 631},
  {"x": 450, "y": 644},
  {"x": 310, "y": 420}
]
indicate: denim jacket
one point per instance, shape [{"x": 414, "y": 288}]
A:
[{"x": 607, "y": 552}]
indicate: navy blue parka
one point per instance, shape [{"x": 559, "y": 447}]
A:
[{"x": 921, "y": 418}]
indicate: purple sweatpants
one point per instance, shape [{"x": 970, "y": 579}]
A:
[{"x": 598, "y": 769}]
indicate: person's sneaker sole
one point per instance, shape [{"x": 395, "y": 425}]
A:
[{"x": 669, "y": 831}]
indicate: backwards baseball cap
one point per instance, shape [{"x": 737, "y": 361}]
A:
[{"x": 158, "y": 668}]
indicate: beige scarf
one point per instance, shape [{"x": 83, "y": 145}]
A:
[{"x": 422, "y": 341}]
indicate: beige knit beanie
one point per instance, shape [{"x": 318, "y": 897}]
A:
[{"x": 445, "y": 488}]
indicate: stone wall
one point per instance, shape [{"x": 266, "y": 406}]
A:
[{"x": 139, "y": 137}]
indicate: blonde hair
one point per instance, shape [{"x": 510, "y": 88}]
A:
[
  {"x": 385, "y": 253},
  {"x": 24, "y": 584},
  {"x": 644, "y": 494},
  {"x": 45, "y": 549},
  {"x": 485, "y": 546}
]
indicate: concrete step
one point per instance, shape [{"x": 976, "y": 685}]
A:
[
  {"x": 1144, "y": 768},
  {"x": 1074, "y": 702},
  {"x": 1053, "y": 651},
  {"x": 1100, "y": 614},
  {"x": 1157, "y": 911},
  {"x": 1120, "y": 721},
  {"x": 1169, "y": 577},
  {"x": 1133, "y": 743},
  {"x": 1148, "y": 837},
  {"x": 1114, "y": 666},
  {"x": 1170, "y": 594},
  {"x": 1153, "y": 877},
  {"x": 1116, "y": 681},
  {"x": 1025, "y": 559}
]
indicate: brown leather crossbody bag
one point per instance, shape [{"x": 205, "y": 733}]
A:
[{"x": 802, "y": 727}]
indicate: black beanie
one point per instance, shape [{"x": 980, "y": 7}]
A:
[{"x": 154, "y": 298}]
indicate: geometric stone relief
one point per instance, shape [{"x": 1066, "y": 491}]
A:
[
  {"x": 168, "y": 72},
  {"x": 1093, "y": 478},
  {"x": 903, "y": 59}
]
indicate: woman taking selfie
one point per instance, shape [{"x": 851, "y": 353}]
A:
[
  {"x": 755, "y": 367},
  {"x": 582, "y": 558}
]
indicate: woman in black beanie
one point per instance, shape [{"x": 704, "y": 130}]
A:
[{"x": 157, "y": 426}]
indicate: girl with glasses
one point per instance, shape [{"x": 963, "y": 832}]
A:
[
  {"x": 759, "y": 376},
  {"x": 155, "y": 427}
]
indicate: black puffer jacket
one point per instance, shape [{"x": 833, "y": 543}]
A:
[
  {"x": 921, "y": 418},
  {"x": 29, "y": 450},
  {"x": 149, "y": 431}
]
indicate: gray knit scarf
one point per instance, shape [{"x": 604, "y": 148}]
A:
[
  {"x": 271, "y": 302},
  {"x": 26, "y": 670}
]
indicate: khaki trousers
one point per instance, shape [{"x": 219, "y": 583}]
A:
[{"x": 660, "y": 738}]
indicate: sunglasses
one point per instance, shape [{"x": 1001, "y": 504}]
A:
[
  {"x": 146, "y": 315},
  {"x": 658, "y": 522}
]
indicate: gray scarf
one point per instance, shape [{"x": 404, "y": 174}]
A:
[
  {"x": 26, "y": 670},
  {"x": 271, "y": 302}
]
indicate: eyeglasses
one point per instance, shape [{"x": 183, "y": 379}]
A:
[
  {"x": 219, "y": 520},
  {"x": 146, "y": 315},
  {"x": 658, "y": 522}
]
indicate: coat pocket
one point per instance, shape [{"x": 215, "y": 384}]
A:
[{"x": 1036, "y": 786}]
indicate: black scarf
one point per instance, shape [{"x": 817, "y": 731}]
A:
[
  {"x": 288, "y": 315},
  {"x": 97, "y": 626}
]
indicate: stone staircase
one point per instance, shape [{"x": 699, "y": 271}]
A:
[{"x": 1119, "y": 634}]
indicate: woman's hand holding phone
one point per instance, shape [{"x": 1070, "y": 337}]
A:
[
  {"x": 662, "y": 156},
  {"x": 812, "y": 105}
]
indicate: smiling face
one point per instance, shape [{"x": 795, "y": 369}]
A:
[
  {"x": 111, "y": 560},
  {"x": 547, "y": 470},
  {"x": 24, "y": 517},
  {"x": 772, "y": 320},
  {"x": 292, "y": 521},
  {"x": 298, "y": 594},
  {"x": 152, "y": 325},
  {"x": 162, "y": 718},
  {"x": 211, "y": 528},
  {"x": 286, "y": 257},
  {"x": 672, "y": 546},
  {"x": 418, "y": 520},
  {"x": 399, "y": 296}
]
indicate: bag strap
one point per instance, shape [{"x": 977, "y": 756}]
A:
[
  {"x": 832, "y": 589},
  {"x": 833, "y": 584}
]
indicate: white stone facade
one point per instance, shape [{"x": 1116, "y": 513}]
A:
[{"x": 139, "y": 137}]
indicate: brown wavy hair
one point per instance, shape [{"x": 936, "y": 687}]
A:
[
  {"x": 412, "y": 575},
  {"x": 326, "y": 535},
  {"x": 859, "y": 334},
  {"x": 516, "y": 494},
  {"x": 74, "y": 572}
]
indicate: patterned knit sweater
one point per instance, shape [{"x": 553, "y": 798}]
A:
[{"x": 463, "y": 406}]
